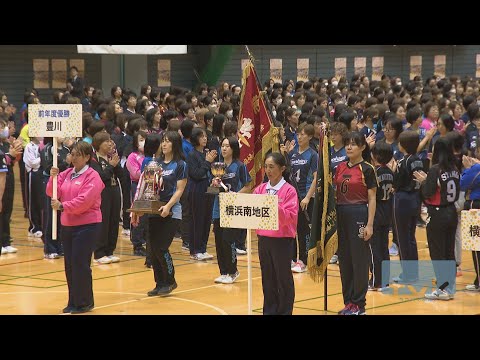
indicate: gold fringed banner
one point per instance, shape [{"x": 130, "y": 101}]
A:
[{"x": 323, "y": 238}]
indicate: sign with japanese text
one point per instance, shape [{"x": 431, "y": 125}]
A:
[
  {"x": 248, "y": 211},
  {"x": 55, "y": 120},
  {"x": 470, "y": 230}
]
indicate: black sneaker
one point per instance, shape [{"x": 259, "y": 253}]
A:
[
  {"x": 154, "y": 292},
  {"x": 82, "y": 309},
  {"x": 68, "y": 309},
  {"x": 140, "y": 251},
  {"x": 165, "y": 290}
]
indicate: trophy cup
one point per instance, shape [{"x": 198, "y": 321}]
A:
[
  {"x": 218, "y": 170},
  {"x": 147, "y": 199}
]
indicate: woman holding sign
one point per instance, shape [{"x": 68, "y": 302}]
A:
[
  {"x": 79, "y": 190},
  {"x": 236, "y": 178},
  {"x": 275, "y": 246}
]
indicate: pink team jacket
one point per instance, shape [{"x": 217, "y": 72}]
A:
[
  {"x": 81, "y": 197},
  {"x": 287, "y": 211}
]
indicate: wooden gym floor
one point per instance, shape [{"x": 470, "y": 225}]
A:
[{"x": 29, "y": 284}]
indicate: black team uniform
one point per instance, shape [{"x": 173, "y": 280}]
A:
[
  {"x": 352, "y": 184},
  {"x": 406, "y": 206},
  {"x": 441, "y": 190},
  {"x": 381, "y": 226},
  {"x": 107, "y": 241},
  {"x": 46, "y": 155}
]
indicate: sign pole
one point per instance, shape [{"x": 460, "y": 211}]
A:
[
  {"x": 251, "y": 211},
  {"x": 249, "y": 269},
  {"x": 55, "y": 183}
]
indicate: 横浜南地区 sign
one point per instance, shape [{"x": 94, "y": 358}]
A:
[{"x": 248, "y": 211}]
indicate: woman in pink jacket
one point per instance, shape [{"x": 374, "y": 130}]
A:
[
  {"x": 275, "y": 246},
  {"x": 79, "y": 200}
]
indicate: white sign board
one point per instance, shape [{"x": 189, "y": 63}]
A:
[
  {"x": 132, "y": 49},
  {"x": 248, "y": 211},
  {"x": 470, "y": 230},
  {"x": 55, "y": 120}
]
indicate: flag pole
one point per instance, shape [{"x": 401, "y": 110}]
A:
[{"x": 325, "y": 289}]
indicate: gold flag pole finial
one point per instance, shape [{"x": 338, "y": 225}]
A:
[{"x": 250, "y": 56}]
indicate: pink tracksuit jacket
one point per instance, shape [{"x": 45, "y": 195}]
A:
[
  {"x": 81, "y": 197},
  {"x": 287, "y": 212}
]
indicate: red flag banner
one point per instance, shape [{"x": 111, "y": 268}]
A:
[{"x": 255, "y": 137}]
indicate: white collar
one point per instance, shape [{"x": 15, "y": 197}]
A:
[
  {"x": 276, "y": 187},
  {"x": 85, "y": 168}
]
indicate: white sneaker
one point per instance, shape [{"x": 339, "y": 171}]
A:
[
  {"x": 10, "y": 249},
  {"x": 207, "y": 256},
  {"x": 379, "y": 289},
  {"x": 334, "y": 259},
  {"x": 198, "y": 257},
  {"x": 126, "y": 232},
  {"x": 300, "y": 267},
  {"x": 235, "y": 276},
  {"x": 114, "y": 259},
  {"x": 241, "y": 252},
  {"x": 439, "y": 295},
  {"x": 470, "y": 287},
  {"x": 51, "y": 256},
  {"x": 103, "y": 260},
  {"x": 230, "y": 279},
  {"x": 220, "y": 279},
  {"x": 4, "y": 251}
]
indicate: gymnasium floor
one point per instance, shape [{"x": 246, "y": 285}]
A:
[{"x": 29, "y": 284}]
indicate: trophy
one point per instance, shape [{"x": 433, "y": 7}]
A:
[
  {"x": 218, "y": 170},
  {"x": 147, "y": 199}
]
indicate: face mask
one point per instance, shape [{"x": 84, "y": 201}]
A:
[
  {"x": 278, "y": 102},
  {"x": 274, "y": 113},
  {"x": 141, "y": 145},
  {"x": 334, "y": 83},
  {"x": 230, "y": 114},
  {"x": 399, "y": 83}
]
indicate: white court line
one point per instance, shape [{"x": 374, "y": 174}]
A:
[{"x": 172, "y": 296}]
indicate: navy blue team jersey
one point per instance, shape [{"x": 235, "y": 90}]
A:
[
  {"x": 383, "y": 211},
  {"x": 172, "y": 172},
  {"x": 302, "y": 168},
  {"x": 403, "y": 179},
  {"x": 337, "y": 157},
  {"x": 235, "y": 178}
]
